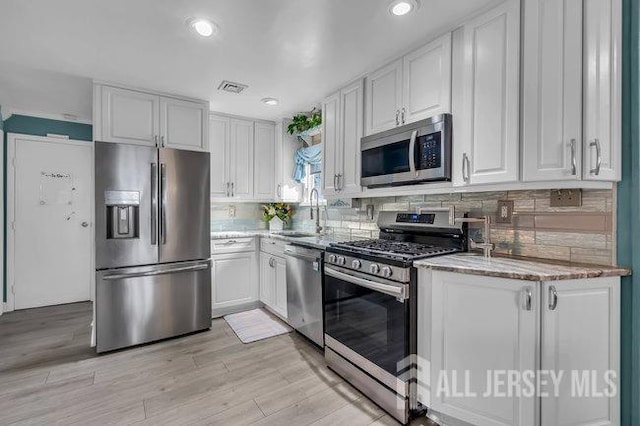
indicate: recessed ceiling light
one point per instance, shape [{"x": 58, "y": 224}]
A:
[
  {"x": 203, "y": 27},
  {"x": 270, "y": 101},
  {"x": 402, "y": 7}
]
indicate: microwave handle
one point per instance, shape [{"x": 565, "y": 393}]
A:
[{"x": 412, "y": 153}]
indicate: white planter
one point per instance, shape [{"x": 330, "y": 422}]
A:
[{"x": 276, "y": 224}]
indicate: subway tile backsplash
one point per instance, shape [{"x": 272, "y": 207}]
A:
[{"x": 580, "y": 234}]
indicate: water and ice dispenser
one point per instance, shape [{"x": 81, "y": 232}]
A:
[{"x": 123, "y": 214}]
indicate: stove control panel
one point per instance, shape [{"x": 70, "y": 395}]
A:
[{"x": 367, "y": 267}]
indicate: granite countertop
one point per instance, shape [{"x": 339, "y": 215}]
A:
[
  {"x": 320, "y": 242},
  {"x": 518, "y": 268}
]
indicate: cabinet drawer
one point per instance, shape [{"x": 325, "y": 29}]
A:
[
  {"x": 272, "y": 246},
  {"x": 233, "y": 245}
]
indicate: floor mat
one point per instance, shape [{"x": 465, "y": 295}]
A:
[{"x": 254, "y": 325}]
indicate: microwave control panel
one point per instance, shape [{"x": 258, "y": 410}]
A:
[{"x": 430, "y": 151}]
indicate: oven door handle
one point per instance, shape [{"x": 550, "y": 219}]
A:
[
  {"x": 412, "y": 153},
  {"x": 399, "y": 292}
]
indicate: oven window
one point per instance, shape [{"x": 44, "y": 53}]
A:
[
  {"x": 386, "y": 160},
  {"x": 370, "y": 323}
]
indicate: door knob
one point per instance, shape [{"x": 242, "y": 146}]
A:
[{"x": 84, "y": 224}]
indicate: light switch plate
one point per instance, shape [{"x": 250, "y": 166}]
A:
[
  {"x": 505, "y": 211},
  {"x": 566, "y": 198}
]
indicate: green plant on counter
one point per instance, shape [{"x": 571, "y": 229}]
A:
[
  {"x": 282, "y": 211},
  {"x": 303, "y": 122}
]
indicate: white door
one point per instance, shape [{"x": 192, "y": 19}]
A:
[
  {"x": 281, "y": 286},
  {"x": 383, "y": 98},
  {"x": 267, "y": 279},
  {"x": 351, "y": 128},
  {"x": 219, "y": 129},
  {"x": 602, "y": 89},
  {"x": 427, "y": 80},
  {"x": 50, "y": 250},
  {"x": 183, "y": 124},
  {"x": 487, "y": 140},
  {"x": 331, "y": 140},
  {"x": 481, "y": 325},
  {"x": 130, "y": 117},
  {"x": 241, "y": 159},
  {"x": 264, "y": 187},
  {"x": 234, "y": 280},
  {"x": 552, "y": 90},
  {"x": 580, "y": 333}
]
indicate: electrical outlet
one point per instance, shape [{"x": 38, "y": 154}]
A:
[
  {"x": 566, "y": 198},
  {"x": 232, "y": 211},
  {"x": 505, "y": 211},
  {"x": 370, "y": 211}
]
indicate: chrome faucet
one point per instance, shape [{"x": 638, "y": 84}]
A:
[
  {"x": 486, "y": 245},
  {"x": 318, "y": 227}
]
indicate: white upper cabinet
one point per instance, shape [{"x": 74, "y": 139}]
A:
[
  {"x": 141, "y": 118},
  {"x": 287, "y": 189},
  {"x": 265, "y": 161},
  {"x": 427, "y": 81},
  {"x": 602, "y": 89},
  {"x": 184, "y": 124},
  {"x": 219, "y": 128},
  {"x": 342, "y": 127},
  {"x": 241, "y": 146},
  {"x": 552, "y": 90},
  {"x": 412, "y": 88},
  {"x": 129, "y": 116},
  {"x": 384, "y": 98},
  {"x": 486, "y": 97}
]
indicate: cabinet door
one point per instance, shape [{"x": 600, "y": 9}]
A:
[
  {"x": 552, "y": 90},
  {"x": 281, "y": 286},
  {"x": 427, "y": 80},
  {"x": 383, "y": 98},
  {"x": 580, "y": 333},
  {"x": 264, "y": 162},
  {"x": 481, "y": 325},
  {"x": 130, "y": 117},
  {"x": 287, "y": 189},
  {"x": 267, "y": 279},
  {"x": 234, "y": 280},
  {"x": 487, "y": 140},
  {"x": 183, "y": 124},
  {"x": 351, "y": 128},
  {"x": 602, "y": 89},
  {"x": 219, "y": 134},
  {"x": 241, "y": 159},
  {"x": 331, "y": 141}
]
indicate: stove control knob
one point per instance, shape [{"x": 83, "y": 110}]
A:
[
  {"x": 374, "y": 268},
  {"x": 356, "y": 264},
  {"x": 341, "y": 261},
  {"x": 332, "y": 258},
  {"x": 387, "y": 272}
]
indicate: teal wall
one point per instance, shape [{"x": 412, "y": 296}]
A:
[
  {"x": 38, "y": 127},
  {"x": 628, "y": 212}
]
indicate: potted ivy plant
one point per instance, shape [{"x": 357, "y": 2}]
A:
[
  {"x": 305, "y": 125},
  {"x": 277, "y": 215}
]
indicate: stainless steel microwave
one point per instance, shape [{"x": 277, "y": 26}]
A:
[{"x": 414, "y": 153}]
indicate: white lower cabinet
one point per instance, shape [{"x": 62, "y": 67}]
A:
[
  {"x": 474, "y": 329},
  {"x": 273, "y": 283},
  {"x": 234, "y": 280}
]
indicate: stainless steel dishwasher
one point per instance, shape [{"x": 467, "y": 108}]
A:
[{"x": 304, "y": 291}]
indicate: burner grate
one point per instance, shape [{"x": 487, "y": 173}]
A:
[{"x": 406, "y": 250}]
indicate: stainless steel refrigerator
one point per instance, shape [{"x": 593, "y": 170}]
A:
[{"x": 153, "y": 273}]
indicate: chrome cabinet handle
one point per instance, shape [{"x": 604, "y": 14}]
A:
[
  {"x": 574, "y": 166},
  {"x": 155, "y": 140},
  {"x": 231, "y": 242},
  {"x": 528, "y": 299},
  {"x": 404, "y": 110},
  {"x": 553, "y": 298},
  {"x": 163, "y": 203},
  {"x": 154, "y": 204},
  {"x": 162, "y": 141},
  {"x": 340, "y": 182},
  {"x": 272, "y": 262},
  {"x": 84, "y": 224},
  {"x": 412, "y": 153},
  {"x": 466, "y": 166},
  {"x": 397, "y": 117},
  {"x": 233, "y": 189},
  {"x": 596, "y": 143},
  {"x": 227, "y": 193},
  {"x": 279, "y": 191}
]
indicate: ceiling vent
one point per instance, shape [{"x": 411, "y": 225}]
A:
[{"x": 231, "y": 87}]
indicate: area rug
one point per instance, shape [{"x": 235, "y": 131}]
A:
[{"x": 254, "y": 325}]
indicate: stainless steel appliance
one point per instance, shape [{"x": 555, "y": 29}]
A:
[
  {"x": 304, "y": 291},
  {"x": 153, "y": 278},
  {"x": 410, "y": 154},
  {"x": 370, "y": 305}
]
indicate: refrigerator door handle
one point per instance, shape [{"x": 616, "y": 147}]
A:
[
  {"x": 190, "y": 268},
  {"x": 163, "y": 203},
  {"x": 154, "y": 204}
]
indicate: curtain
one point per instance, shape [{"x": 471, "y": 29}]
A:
[{"x": 306, "y": 156}]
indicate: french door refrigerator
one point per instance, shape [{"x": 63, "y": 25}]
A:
[{"x": 153, "y": 273}]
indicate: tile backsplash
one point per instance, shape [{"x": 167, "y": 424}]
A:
[{"x": 580, "y": 234}]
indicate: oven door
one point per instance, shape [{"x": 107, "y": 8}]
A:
[{"x": 368, "y": 323}]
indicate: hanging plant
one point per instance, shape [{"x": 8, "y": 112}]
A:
[{"x": 304, "y": 121}]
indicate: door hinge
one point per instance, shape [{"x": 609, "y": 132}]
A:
[
  {"x": 13, "y": 162},
  {"x": 13, "y": 289},
  {"x": 13, "y": 226}
]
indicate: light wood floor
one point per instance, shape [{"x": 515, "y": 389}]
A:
[{"x": 49, "y": 375}]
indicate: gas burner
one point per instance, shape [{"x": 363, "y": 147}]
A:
[{"x": 394, "y": 249}]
